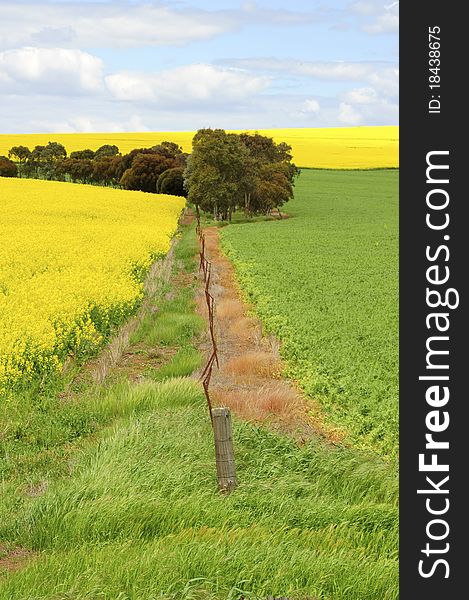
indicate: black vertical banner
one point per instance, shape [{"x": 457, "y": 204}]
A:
[{"x": 434, "y": 247}]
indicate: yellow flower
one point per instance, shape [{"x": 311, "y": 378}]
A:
[
  {"x": 67, "y": 257},
  {"x": 325, "y": 148}
]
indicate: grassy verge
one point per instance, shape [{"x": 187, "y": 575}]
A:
[{"x": 129, "y": 509}]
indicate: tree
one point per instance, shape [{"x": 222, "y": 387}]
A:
[
  {"x": 83, "y": 154},
  {"x": 77, "y": 169},
  {"x": 106, "y": 150},
  {"x": 173, "y": 151},
  {"x": 7, "y": 167},
  {"x": 226, "y": 171},
  {"x": 21, "y": 153},
  {"x": 264, "y": 150},
  {"x": 53, "y": 151},
  {"x": 217, "y": 172},
  {"x": 272, "y": 189},
  {"x": 128, "y": 159},
  {"x": 33, "y": 162},
  {"x": 171, "y": 181},
  {"x": 168, "y": 149},
  {"x": 273, "y": 173},
  {"x": 43, "y": 159},
  {"x": 106, "y": 171},
  {"x": 144, "y": 172}
]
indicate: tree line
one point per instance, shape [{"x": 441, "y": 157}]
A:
[
  {"x": 225, "y": 172},
  {"x": 156, "y": 169}
]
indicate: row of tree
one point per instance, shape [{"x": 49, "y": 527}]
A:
[
  {"x": 225, "y": 172},
  {"x": 157, "y": 169}
]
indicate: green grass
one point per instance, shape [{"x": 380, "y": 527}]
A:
[
  {"x": 113, "y": 491},
  {"x": 168, "y": 328},
  {"x": 325, "y": 282},
  {"x": 174, "y": 323},
  {"x": 184, "y": 362},
  {"x": 140, "y": 517}
]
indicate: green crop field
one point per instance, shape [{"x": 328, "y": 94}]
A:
[{"x": 325, "y": 282}]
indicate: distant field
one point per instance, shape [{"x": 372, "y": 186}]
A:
[
  {"x": 72, "y": 258},
  {"x": 326, "y": 282},
  {"x": 325, "y": 148}
]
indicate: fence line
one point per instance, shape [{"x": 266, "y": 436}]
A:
[{"x": 206, "y": 267}]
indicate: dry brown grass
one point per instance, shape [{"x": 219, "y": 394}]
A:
[
  {"x": 273, "y": 401},
  {"x": 201, "y": 304},
  {"x": 253, "y": 364},
  {"x": 246, "y": 329},
  {"x": 229, "y": 309}
]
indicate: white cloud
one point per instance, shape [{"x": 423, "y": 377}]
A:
[
  {"x": 129, "y": 24},
  {"x": 66, "y": 72},
  {"x": 332, "y": 70},
  {"x": 190, "y": 84},
  {"x": 386, "y": 81},
  {"x": 366, "y": 106},
  {"x": 131, "y": 86},
  {"x": 311, "y": 106},
  {"x": 378, "y": 16},
  {"x": 106, "y": 24},
  {"x": 364, "y": 8},
  {"x": 348, "y": 115},
  {"x": 383, "y": 76},
  {"x": 361, "y": 96},
  {"x": 93, "y": 124},
  {"x": 386, "y": 23},
  {"x": 50, "y": 71}
]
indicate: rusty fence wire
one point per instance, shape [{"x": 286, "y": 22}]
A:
[{"x": 205, "y": 266}]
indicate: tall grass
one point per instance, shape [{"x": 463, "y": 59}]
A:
[{"x": 140, "y": 514}]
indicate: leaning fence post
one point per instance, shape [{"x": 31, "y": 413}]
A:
[{"x": 224, "y": 453}]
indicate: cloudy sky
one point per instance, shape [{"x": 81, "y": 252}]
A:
[{"x": 103, "y": 65}]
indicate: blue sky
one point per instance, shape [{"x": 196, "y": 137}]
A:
[{"x": 173, "y": 65}]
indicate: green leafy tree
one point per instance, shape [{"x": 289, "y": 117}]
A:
[
  {"x": 272, "y": 189},
  {"x": 168, "y": 149},
  {"x": 264, "y": 150},
  {"x": 273, "y": 173},
  {"x": 144, "y": 172},
  {"x": 21, "y": 154},
  {"x": 83, "y": 154},
  {"x": 217, "y": 172},
  {"x": 106, "y": 150},
  {"x": 53, "y": 151},
  {"x": 42, "y": 161},
  {"x": 32, "y": 165},
  {"x": 171, "y": 181}
]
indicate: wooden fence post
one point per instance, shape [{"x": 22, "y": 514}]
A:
[{"x": 223, "y": 434}]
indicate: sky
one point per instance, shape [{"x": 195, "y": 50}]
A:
[{"x": 177, "y": 65}]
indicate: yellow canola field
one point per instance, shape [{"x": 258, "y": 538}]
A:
[
  {"x": 322, "y": 148},
  {"x": 72, "y": 261}
]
